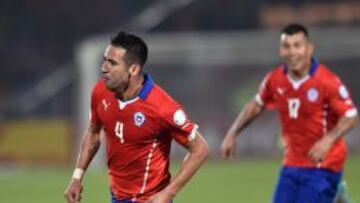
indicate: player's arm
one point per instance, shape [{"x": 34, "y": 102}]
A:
[
  {"x": 198, "y": 151},
  {"x": 251, "y": 111},
  {"x": 343, "y": 126},
  {"x": 89, "y": 146},
  {"x": 340, "y": 103}
]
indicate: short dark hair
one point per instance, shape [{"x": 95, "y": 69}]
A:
[
  {"x": 136, "y": 48},
  {"x": 295, "y": 28}
]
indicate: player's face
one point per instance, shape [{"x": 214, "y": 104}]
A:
[
  {"x": 296, "y": 50},
  {"x": 115, "y": 70}
]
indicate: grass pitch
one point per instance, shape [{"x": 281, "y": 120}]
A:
[{"x": 238, "y": 181}]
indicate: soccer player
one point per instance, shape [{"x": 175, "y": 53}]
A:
[
  {"x": 140, "y": 120},
  {"x": 315, "y": 110}
]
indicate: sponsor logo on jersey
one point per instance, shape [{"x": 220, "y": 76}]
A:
[
  {"x": 343, "y": 92},
  {"x": 106, "y": 105},
  {"x": 312, "y": 94},
  {"x": 280, "y": 90},
  {"x": 139, "y": 119},
  {"x": 179, "y": 117}
]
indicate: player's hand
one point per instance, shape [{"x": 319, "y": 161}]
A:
[
  {"x": 318, "y": 152},
  {"x": 73, "y": 192},
  {"x": 228, "y": 147},
  {"x": 161, "y": 197}
]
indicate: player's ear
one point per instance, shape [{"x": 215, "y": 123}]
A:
[
  {"x": 311, "y": 48},
  {"x": 134, "y": 69}
]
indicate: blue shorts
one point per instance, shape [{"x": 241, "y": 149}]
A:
[
  {"x": 310, "y": 185},
  {"x": 114, "y": 200}
]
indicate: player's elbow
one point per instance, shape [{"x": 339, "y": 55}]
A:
[
  {"x": 254, "y": 108},
  {"x": 352, "y": 121},
  {"x": 356, "y": 120},
  {"x": 204, "y": 150},
  {"x": 91, "y": 141},
  {"x": 198, "y": 148},
  {"x": 95, "y": 144}
]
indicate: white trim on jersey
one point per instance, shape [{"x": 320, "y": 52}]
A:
[
  {"x": 122, "y": 104},
  {"x": 147, "y": 168},
  {"x": 351, "y": 113},
  {"x": 297, "y": 83},
  {"x": 258, "y": 100},
  {"x": 324, "y": 121},
  {"x": 193, "y": 133}
]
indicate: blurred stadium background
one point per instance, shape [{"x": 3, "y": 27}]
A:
[{"x": 210, "y": 55}]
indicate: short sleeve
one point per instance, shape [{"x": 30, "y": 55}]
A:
[
  {"x": 264, "y": 96},
  {"x": 94, "y": 116},
  {"x": 178, "y": 124},
  {"x": 339, "y": 98}
]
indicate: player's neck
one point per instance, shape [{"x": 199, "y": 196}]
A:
[
  {"x": 299, "y": 74},
  {"x": 133, "y": 90}
]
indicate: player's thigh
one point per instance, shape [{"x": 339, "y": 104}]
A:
[
  {"x": 286, "y": 188},
  {"x": 319, "y": 186}
]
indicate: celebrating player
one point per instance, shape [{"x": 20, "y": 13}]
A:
[
  {"x": 315, "y": 110},
  {"x": 140, "y": 120}
]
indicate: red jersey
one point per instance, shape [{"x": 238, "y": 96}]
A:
[
  {"x": 308, "y": 109},
  {"x": 138, "y": 138}
]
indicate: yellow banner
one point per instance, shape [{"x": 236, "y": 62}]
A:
[{"x": 36, "y": 141}]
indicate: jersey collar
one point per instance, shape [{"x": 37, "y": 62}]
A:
[
  {"x": 148, "y": 85},
  {"x": 313, "y": 67}
]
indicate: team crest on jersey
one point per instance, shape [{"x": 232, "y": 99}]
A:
[
  {"x": 139, "y": 119},
  {"x": 312, "y": 94},
  {"x": 343, "y": 92},
  {"x": 179, "y": 117}
]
